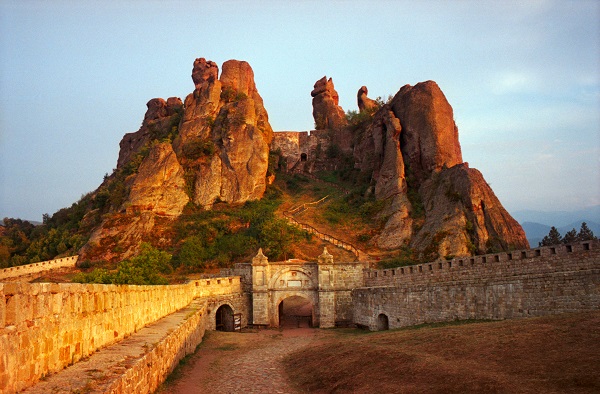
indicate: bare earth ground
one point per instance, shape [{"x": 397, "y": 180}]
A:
[
  {"x": 249, "y": 362},
  {"x": 555, "y": 354}
]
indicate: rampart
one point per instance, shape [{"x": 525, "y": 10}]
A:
[
  {"x": 540, "y": 281},
  {"x": 34, "y": 268},
  {"x": 45, "y": 327}
]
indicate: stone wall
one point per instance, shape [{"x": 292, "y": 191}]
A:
[
  {"x": 540, "y": 281},
  {"x": 45, "y": 327},
  {"x": 239, "y": 303},
  {"x": 34, "y": 268},
  {"x": 303, "y": 151},
  {"x": 153, "y": 368}
]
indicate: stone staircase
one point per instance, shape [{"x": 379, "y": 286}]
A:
[{"x": 289, "y": 215}]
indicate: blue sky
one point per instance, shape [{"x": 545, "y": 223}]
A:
[{"x": 522, "y": 76}]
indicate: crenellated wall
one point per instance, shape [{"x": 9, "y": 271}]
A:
[
  {"x": 45, "y": 327},
  {"x": 34, "y": 268},
  {"x": 540, "y": 281}
]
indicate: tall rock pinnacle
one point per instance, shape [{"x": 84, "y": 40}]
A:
[{"x": 326, "y": 111}]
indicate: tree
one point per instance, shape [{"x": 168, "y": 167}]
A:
[
  {"x": 585, "y": 234},
  {"x": 570, "y": 237},
  {"x": 553, "y": 238}
]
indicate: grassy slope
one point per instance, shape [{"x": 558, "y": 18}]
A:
[{"x": 556, "y": 354}]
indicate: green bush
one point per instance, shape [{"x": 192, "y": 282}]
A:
[
  {"x": 143, "y": 269},
  {"x": 198, "y": 148}
]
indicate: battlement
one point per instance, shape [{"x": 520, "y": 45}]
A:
[
  {"x": 535, "y": 282},
  {"x": 542, "y": 259},
  {"x": 34, "y": 268}
]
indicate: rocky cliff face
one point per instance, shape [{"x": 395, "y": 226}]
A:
[
  {"x": 225, "y": 119},
  {"x": 215, "y": 147},
  {"x": 435, "y": 204}
]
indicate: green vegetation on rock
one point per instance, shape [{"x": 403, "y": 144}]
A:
[{"x": 144, "y": 269}]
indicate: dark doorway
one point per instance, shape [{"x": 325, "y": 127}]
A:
[
  {"x": 295, "y": 312},
  {"x": 383, "y": 322},
  {"x": 303, "y": 157},
  {"x": 224, "y": 318}
]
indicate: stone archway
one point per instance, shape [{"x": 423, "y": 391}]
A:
[
  {"x": 224, "y": 318},
  {"x": 296, "y": 312},
  {"x": 383, "y": 323}
]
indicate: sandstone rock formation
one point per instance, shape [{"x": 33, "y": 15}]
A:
[
  {"x": 430, "y": 138},
  {"x": 160, "y": 118},
  {"x": 228, "y": 118},
  {"x": 159, "y": 185},
  {"x": 326, "y": 111},
  {"x": 435, "y": 203},
  {"x": 365, "y": 103},
  {"x": 215, "y": 147}
]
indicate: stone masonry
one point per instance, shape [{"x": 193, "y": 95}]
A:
[
  {"x": 46, "y": 327},
  {"x": 540, "y": 281},
  {"x": 327, "y": 285}
]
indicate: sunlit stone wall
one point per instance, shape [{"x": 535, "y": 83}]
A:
[
  {"x": 34, "y": 268},
  {"x": 45, "y": 327},
  {"x": 540, "y": 281}
]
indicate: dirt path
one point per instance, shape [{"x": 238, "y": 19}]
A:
[{"x": 247, "y": 362}]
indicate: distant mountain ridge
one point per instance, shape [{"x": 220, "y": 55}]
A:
[
  {"x": 559, "y": 219},
  {"x": 536, "y": 231}
]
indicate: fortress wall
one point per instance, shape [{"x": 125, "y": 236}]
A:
[
  {"x": 45, "y": 327},
  {"x": 239, "y": 302},
  {"x": 535, "y": 282},
  {"x": 34, "y": 268},
  {"x": 347, "y": 276},
  {"x": 496, "y": 265},
  {"x": 153, "y": 368}
]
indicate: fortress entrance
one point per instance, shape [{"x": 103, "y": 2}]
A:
[
  {"x": 383, "y": 322},
  {"x": 224, "y": 318},
  {"x": 298, "y": 293},
  {"x": 296, "y": 312}
]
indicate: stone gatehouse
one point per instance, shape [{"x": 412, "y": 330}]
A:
[{"x": 326, "y": 284}]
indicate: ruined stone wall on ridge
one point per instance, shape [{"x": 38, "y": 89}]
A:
[
  {"x": 34, "y": 268},
  {"x": 45, "y": 327},
  {"x": 540, "y": 281}
]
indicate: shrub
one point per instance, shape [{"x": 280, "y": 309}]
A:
[
  {"x": 143, "y": 269},
  {"x": 198, "y": 148},
  {"x": 228, "y": 94}
]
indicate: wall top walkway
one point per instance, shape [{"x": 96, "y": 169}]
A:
[{"x": 28, "y": 269}]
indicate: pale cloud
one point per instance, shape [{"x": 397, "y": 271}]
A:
[{"x": 514, "y": 82}]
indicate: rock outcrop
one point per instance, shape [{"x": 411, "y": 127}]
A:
[
  {"x": 365, "y": 103},
  {"x": 430, "y": 137},
  {"x": 326, "y": 111},
  {"x": 159, "y": 185},
  {"x": 226, "y": 120},
  {"x": 435, "y": 203},
  {"x": 213, "y": 148},
  {"x": 160, "y": 119}
]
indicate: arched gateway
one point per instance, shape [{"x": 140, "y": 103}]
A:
[{"x": 325, "y": 285}]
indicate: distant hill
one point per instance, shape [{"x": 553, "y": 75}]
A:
[
  {"x": 536, "y": 231},
  {"x": 559, "y": 219},
  {"x": 34, "y": 222}
]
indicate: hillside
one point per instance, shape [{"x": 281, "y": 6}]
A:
[{"x": 206, "y": 180}]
